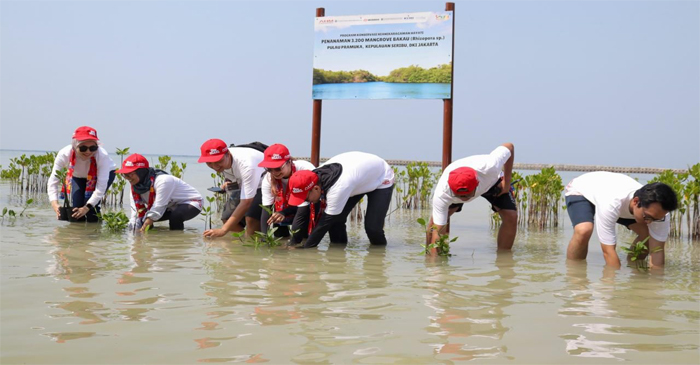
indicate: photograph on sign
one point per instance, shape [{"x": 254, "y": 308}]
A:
[{"x": 383, "y": 56}]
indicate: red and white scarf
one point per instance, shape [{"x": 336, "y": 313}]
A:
[
  {"x": 91, "y": 177},
  {"x": 313, "y": 219},
  {"x": 142, "y": 208},
  {"x": 282, "y": 198}
]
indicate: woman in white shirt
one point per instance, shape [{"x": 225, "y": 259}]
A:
[
  {"x": 280, "y": 165},
  {"x": 90, "y": 173},
  {"x": 157, "y": 196}
]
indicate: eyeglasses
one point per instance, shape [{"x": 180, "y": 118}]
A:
[
  {"x": 276, "y": 169},
  {"x": 651, "y": 219},
  {"x": 92, "y": 148}
]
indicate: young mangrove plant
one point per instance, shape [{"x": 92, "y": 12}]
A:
[
  {"x": 207, "y": 212},
  {"x": 638, "y": 252},
  {"x": 539, "y": 198},
  {"x": 442, "y": 244},
  {"x": 114, "y": 221},
  {"x": 9, "y": 212}
]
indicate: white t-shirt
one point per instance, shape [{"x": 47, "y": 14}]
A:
[
  {"x": 362, "y": 173},
  {"x": 488, "y": 169},
  {"x": 245, "y": 170},
  {"x": 268, "y": 198},
  {"x": 170, "y": 191},
  {"x": 81, "y": 168},
  {"x": 611, "y": 193}
]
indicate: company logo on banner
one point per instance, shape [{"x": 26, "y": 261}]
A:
[{"x": 383, "y": 56}]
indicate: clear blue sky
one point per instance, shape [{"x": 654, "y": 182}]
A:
[{"x": 578, "y": 82}]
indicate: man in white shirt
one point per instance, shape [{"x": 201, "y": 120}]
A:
[
  {"x": 239, "y": 164},
  {"x": 335, "y": 187},
  {"x": 609, "y": 199},
  {"x": 488, "y": 176}
]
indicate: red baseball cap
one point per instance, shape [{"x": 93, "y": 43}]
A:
[
  {"x": 85, "y": 133},
  {"x": 275, "y": 156},
  {"x": 463, "y": 180},
  {"x": 300, "y": 183},
  {"x": 213, "y": 150},
  {"x": 133, "y": 163}
]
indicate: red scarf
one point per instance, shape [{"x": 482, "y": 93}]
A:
[
  {"x": 313, "y": 220},
  {"x": 91, "y": 177},
  {"x": 141, "y": 208},
  {"x": 282, "y": 196}
]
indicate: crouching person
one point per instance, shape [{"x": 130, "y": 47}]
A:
[
  {"x": 335, "y": 187},
  {"x": 157, "y": 196},
  {"x": 609, "y": 199},
  {"x": 280, "y": 166}
]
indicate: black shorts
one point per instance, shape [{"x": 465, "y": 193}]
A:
[
  {"x": 582, "y": 210},
  {"x": 504, "y": 202},
  {"x": 254, "y": 211}
]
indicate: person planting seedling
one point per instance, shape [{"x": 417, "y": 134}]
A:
[
  {"x": 608, "y": 199},
  {"x": 488, "y": 176}
]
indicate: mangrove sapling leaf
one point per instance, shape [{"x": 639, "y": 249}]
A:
[
  {"x": 442, "y": 244},
  {"x": 26, "y": 205},
  {"x": 637, "y": 253},
  {"x": 207, "y": 212},
  {"x": 239, "y": 235},
  {"x": 114, "y": 221}
]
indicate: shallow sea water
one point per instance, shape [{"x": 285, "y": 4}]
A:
[{"x": 74, "y": 294}]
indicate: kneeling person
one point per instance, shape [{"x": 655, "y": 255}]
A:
[
  {"x": 157, "y": 196},
  {"x": 334, "y": 188},
  {"x": 609, "y": 199},
  {"x": 488, "y": 176}
]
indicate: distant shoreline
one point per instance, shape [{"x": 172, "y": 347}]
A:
[{"x": 516, "y": 166}]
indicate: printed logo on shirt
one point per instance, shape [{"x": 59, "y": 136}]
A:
[{"x": 386, "y": 182}]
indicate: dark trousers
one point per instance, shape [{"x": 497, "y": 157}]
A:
[
  {"x": 378, "y": 202},
  {"x": 177, "y": 215},
  {"x": 78, "y": 195}
]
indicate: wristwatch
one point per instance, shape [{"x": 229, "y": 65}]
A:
[{"x": 89, "y": 206}]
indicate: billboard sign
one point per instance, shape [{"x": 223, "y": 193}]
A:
[{"x": 383, "y": 56}]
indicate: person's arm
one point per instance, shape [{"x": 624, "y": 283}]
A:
[
  {"x": 507, "y": 169},
  {"x": 232, "y": 221},
  {"x": 300, "y": 225},
  {"x": 164, "y": 186},
  {"x": 323, "y": 226},
  {"x": 54, "y": 185},
  {"x": 104, "y": 166},
  {"x": 658, "y": 259},
  {"x": 610, "y": 255}
]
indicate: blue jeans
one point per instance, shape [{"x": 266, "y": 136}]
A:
[{"x": 78, "y": 195}]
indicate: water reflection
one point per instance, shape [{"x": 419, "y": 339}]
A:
[
  {"x": 621, "y": 315},
  {"x": 468, "y": 316}
]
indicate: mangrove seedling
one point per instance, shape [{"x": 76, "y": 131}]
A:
[
  {"x": 9, "y": 212},
  {"x": 638, "y": 252},
  {"x": 114, "y": 221},
  {"x": 239, "y": 235},
  {"x": 442, "y": 244},
  {"x": 26, "y": 205},
  {"x": 207, "y": 212}
]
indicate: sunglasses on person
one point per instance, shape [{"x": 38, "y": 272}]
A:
[
  {"x": 92, "y": 148},
  {"x": 276, "y": 169}
]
